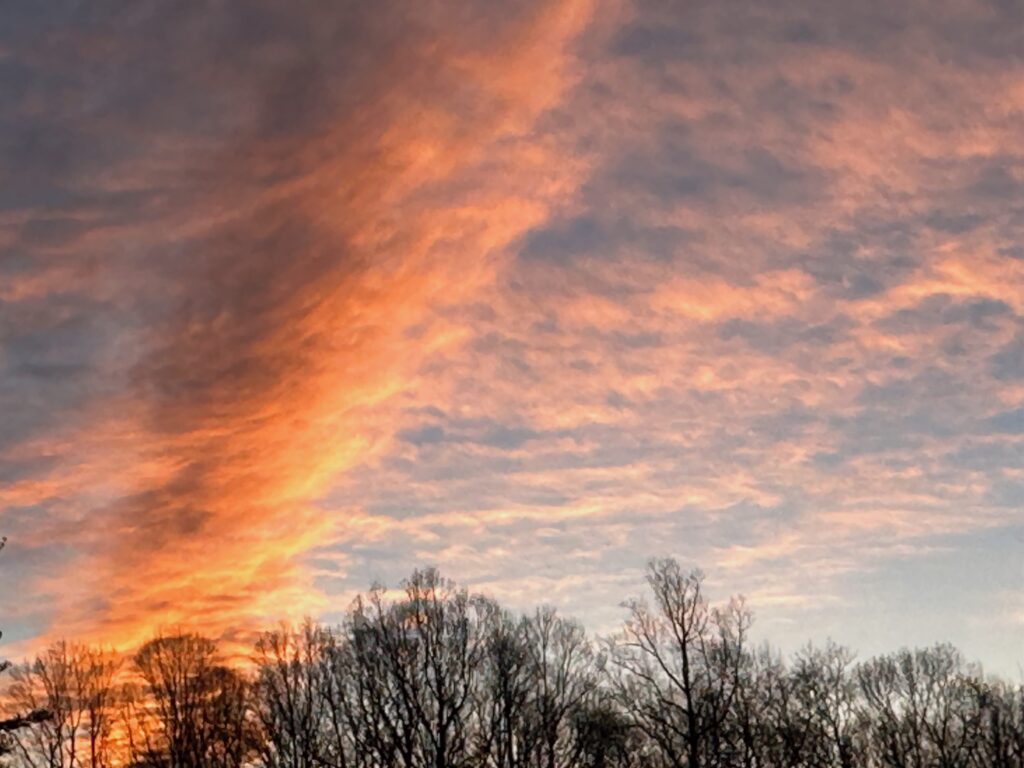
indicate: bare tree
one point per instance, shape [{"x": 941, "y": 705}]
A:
[
  {"x": 826, "y": 695},
  {"x": 764, "y": 724},
  {"x": 505, "y": 729},
  {"x": 677, "y": 668},
  {"x": 360, "y": 691},
  {"x": 437, "y": 677},
  {"x": 191, "y": 710},
  {"x": 75, "y": 684},
  {"x": 1002, "y": 712},
  {"x": 400, "y": 680},
  {"x": 433, "y": 643},
  {"x": 564, "y": 675},
  {"x": 604, "y": 738},
  {"x": 921, "y": 708},
  {"x": 292, "y": 699}
]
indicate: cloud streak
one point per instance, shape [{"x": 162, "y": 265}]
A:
[
  {"x": 303, "y": 300},
  {"x": 294, "y": 273}
]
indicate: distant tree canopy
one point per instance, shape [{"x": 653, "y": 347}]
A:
[{"x": 438, "y": 677}]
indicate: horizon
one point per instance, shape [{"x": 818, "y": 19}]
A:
[{"x": 296, "y": 299}]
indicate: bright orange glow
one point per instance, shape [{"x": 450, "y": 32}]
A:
[{"x": 298, "y": 304}]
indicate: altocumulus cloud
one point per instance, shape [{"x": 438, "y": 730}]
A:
[{"x": 295, "y": 299}]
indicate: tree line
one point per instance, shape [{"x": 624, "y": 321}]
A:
[{"x": 439, "y": 677}]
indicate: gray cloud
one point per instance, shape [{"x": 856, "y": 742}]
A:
[{"x": 739, "y": 282}]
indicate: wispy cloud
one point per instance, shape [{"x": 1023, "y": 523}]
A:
[{"x": 310, "y": 299}]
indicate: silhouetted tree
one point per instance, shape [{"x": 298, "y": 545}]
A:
[
  {"x": 826, "y": 700},
  {"x": 678, "y": 668},
  {"x": 432, "y": 643},
  {"x": 293, "y": 701},
  {"x": 921, "y": 708},
  {"x": 75, "y": 684},
  {"x": 506, "y": 732},
  {"x": 436, "y": 677},
  {"x": 563, "y": 676},
  {"x": 604, "y": 738},
  {"x": 773, "y": 725},
  {"x": 192, "y": 712},
  {"x": 1002, "y": 714}
]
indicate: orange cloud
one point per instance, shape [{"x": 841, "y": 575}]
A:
[
  {"x": 532, "y": 296},
  {"x": 299, "y": 309}
]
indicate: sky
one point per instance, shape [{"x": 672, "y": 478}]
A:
[{"x": 296, "y": 297}]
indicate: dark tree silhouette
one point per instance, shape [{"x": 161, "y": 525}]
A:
[
  {"x": 433, "y": 676},
  {"x": 564, "y": 675},
  {"x": 293, "y": 701},
  {"x": 678, "y": 667},
  {"x": 191, "y": 711},
  {"x": 75, "y": 684},
  {"x": 506, "y": 729},
  {"x": 432, "y": 644}
]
